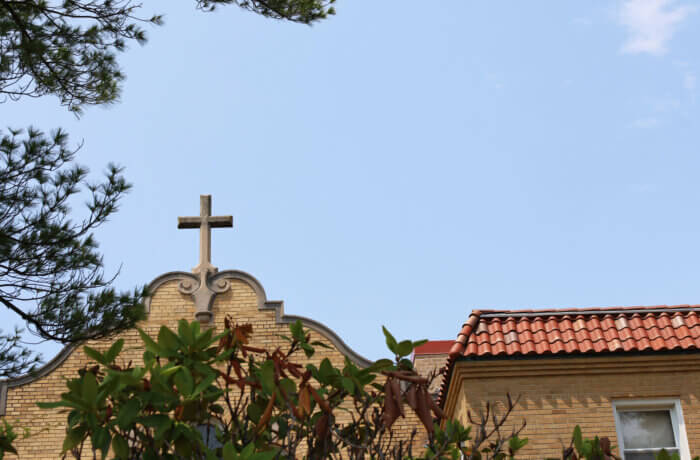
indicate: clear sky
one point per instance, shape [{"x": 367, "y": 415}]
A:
[{"x": 407, "y": 161}]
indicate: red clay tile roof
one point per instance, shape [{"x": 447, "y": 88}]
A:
[
  {"x": 434, "y": 347},
  {"x": 489, "y": 333}
]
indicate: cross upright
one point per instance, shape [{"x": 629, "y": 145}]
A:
[{"x": 205, "y": 222}]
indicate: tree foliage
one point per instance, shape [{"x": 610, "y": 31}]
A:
[
  {"x": 68, "y": 48},
  {"x": 200, "y": 396},
  {"x": 50, "y": 269},
  {"x": 51, "y": 273}
]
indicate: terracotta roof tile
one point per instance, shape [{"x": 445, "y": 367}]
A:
[
  {"x": 683, "y": 331},
  {"x": 649, "y": 321},
  {"x": 643, "y": 344},
  {"x": 624, "y": 333},
  {"x": 568, "y": 335},
  {"x": 509, "y": 325},
  {"x": 575, "y": 331},
  {"x": 511, "y": 337},
  {"x": 435, "y": 347},
  {"x": 527, "y": 348}
]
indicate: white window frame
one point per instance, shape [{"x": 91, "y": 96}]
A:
[{"x": 673, "y": 405}]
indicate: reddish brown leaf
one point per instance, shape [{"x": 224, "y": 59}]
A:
[
  {"x": 436, "y": 409},
  {"x": 242, "y": 333},
  {"x": 253, "y": 349},
  {"x": 267, "y": 414},
  {"x": 411, "y": 397},
  {"x": 321, "y": 402},
  {"x": 396, "y": 393},
  {"x": 390, "y": 411},
  {"x": 422, "y": 409},
  {"x": 321, "y": 428},
  {"x": 407, "y": 376},
  {"x": 294, "y": 371},
  {"x": 305, "y": 400},
  {"x": 237, "y": 368}
]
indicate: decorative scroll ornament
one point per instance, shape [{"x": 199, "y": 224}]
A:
[{"x": 204, "y": 287}]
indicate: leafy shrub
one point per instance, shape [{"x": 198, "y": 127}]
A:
[{"x": 200, "y": 396}]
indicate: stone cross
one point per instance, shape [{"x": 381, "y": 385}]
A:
[
  {"x": 205, "y": 222},
  {"x": 203, "y": 293}
]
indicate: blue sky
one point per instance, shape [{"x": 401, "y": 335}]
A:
[{"x": 404, "y": 162}]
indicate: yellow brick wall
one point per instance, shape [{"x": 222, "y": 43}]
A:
[
  {"x": 558, "y": 394},
  {"x": 168, "y": 305},
  {"x": 427, "y": 364}
]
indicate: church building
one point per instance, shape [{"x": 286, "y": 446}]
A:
[
  {"x": 205, "y": 294},
  {"x": 631, "y": 374}
]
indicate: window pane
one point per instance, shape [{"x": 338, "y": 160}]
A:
[
  {"x": 646, "y": 429},
  {"x": 208, "y": 433},
  {"x": 644, "y": 455},
  {"x": 639, "y": 456}
]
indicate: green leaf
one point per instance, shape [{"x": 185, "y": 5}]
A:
[
  {"x": 404, "y": 348},
  {"x": 326, "y": 370},
  {"x": 578, "y": 439},
  {"x": 114, "y": 351},
  {"x": 248, "y": 451},
  {"x": 51, "y": 405},
  {"x": 229, "y": 452},
  {"x": 418, "y": 343},
  {"x": 128, "y": 413},
  {"x": 204, "y": 340},
  {"x": 269, "y": 455},
  {"x": 380, "y": 365},
  {"x": 168, "y": 371},
  {"x": 297, "y": 330},
  {"x": 308, "y": 350},
  {"x": 150, "y": 344},
  {"x": 267, "y": 376},
  {"x": 158, "y": 421},
  {"x": 168, "y": 341},
  {"x": 348, "y": 385},
  {"x": 516, "y": 443},
  {"x": 120, "y": 447},
  {"x": 95, "y": 355},
  {"x": 254, "y": 412},
  {"x": 184, "y": 382},
  {"x": 204, "y": 384},
  {"x": 288, "y": 386},
  {"x": 89, "y": 389},
  {"x": 73, "y": 438},
  {"x": 318, "y": 343},
  {"x": 185, "y": 332},
  {"x": 101, "y": 440},
  {"x": 390, "y": 340}
]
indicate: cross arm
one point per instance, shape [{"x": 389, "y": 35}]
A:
[
  {"x": 189, "y": 222},
  {"x": 220, "y": 221}
]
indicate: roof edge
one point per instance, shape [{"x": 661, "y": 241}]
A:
[
  {"x": 263, "y": 304},
  {"x": 456, "y": 351},
  {"x": 588, "y": 311}
]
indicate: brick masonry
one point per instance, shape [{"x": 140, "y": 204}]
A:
[
  {"x": 428, "y": 364},
  {"x": 557, "y": 394},
  {"x": 243, "y": 301}
]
